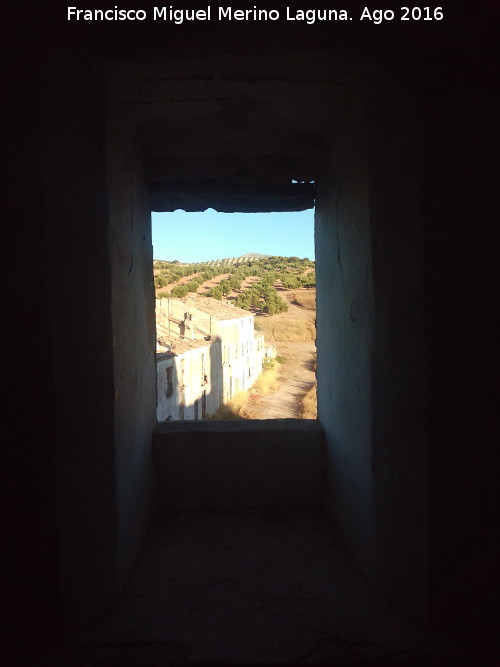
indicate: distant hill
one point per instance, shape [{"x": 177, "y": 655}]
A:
[{"x": 240, "y": 278}]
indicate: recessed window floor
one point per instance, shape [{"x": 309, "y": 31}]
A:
[{"x": 254, "y": 586}]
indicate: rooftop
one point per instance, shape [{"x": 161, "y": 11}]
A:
[
  {"x": 181, "y": 345},
  {"x": 218, "y": 309}
]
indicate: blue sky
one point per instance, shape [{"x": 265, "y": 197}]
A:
[{"x": 199, "y": 237}]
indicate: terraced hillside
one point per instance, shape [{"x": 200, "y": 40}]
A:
[{"x": 251, "y": 282}]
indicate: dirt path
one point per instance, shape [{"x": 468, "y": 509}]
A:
[{"x": 297, "y": 376}]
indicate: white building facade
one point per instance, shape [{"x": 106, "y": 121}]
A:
[
  {"x": 207, "y": 352},
  {"x": 189, "y": 381}
]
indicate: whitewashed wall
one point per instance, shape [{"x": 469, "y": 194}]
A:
[
  {"x": 239, "y": 361},
  {"x": 195, "y": 390}
]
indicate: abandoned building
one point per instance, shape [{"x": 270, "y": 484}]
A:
[
  {"x": 104, "y": 123},
  {"x": 207, "y": 351},
  {"x": 189, "y": 380}
]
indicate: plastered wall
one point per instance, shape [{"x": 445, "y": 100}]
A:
[
  {"x": 76, "y": 243},
  {"x": 400, "y": 457},
  {"x": 133, "y": 330},
  {"x": 370, "y": 342},
  {"x": 345, "y": 335}
]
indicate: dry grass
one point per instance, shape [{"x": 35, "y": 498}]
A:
[
  {"x": 287, "y": 330},
  {"x": 308, "y": 408},
  {"x": 305, "y": 298},
  {"x": 234, "y": 409},
  {"x": 238, "y": 407},
  {"x": 267, "y": 382}
]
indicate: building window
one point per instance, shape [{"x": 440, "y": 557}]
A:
[
  {"x": 170, "y": 382},
  {"x": 183, "y": 383},
  {"x": 204, "y": 378}
]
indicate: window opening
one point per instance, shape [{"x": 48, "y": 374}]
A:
[
  {"x": 204, "y": 404},
  {"x": 170, "y": 382},
  {"x": 204, "y": 378},
  {"x": 241, "y": 282}
]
